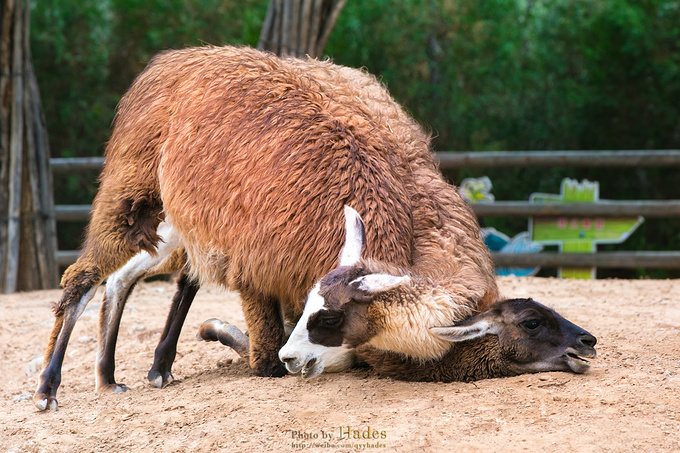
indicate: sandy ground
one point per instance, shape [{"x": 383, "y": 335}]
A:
[{"x": 629, "y": 401}]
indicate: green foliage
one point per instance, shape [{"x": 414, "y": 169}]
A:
[
  {"x": 71, "y": 44},
  {"x": 525, "y": 74}
]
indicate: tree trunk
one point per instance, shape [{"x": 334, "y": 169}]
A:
[
  {"x": 27, "y": 223},
  {"x": 299, "y": 27}
]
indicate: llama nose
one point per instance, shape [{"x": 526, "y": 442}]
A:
[
  {"x": 586, "y": 340},
  {"x": 292, "y": 362},
  {"x": 287, "y": 357}
]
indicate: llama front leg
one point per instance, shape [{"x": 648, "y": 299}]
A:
[{"x": 266, "y": 331}]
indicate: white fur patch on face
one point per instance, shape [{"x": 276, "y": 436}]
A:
[
  {"x": 300, "y": 354},
  {"x": 407, "y": 328}
]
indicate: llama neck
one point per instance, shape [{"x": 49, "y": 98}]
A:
[
  {"x": 466, "y": 361},
  {"x": 473, "y": 360}
]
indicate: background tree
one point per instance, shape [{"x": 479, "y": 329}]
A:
[
  {"x": 27, "y": 225},
  {"x": 299, "y": 27}
]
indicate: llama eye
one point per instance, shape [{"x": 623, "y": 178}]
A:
[
  {"x": 331, "y": 321},
  {"x": 531, "y": 325}
]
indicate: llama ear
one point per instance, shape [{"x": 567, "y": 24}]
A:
[
  {"x": 455, "y": 334},
  {"x": 364, "y": 288},
  {"x": 355, "y": 236}
]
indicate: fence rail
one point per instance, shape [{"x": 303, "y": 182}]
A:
[
  {"x": 645, "y": 208},
  {"x": 76, "y": 164},
  {"x": 652, "y": 158},
  {"x": 620, "y": 260},
  {"x": 453, "y": 160},
  {"x": 488, "y": 159},
  {"x": 72, "y": 212}
]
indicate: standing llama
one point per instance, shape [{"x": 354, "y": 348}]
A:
[{"x": 249, "y": 158}]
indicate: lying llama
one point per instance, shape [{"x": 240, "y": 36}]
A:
[
  {"x": 249, "y": 160},
  {"x": 514, "y": 336}
]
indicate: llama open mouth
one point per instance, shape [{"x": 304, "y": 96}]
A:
[
  {"x": 578, "y": 363},
  {"x": 308, "y": 369},
  {"x": 577, "y": 357}
]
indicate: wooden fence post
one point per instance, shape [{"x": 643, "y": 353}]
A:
[
  {"x": 27, "y": 222},
  {"x": 299, "y": 27}
]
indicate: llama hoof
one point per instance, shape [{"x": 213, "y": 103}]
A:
[
  {"x": 215, "y": 330},
  {"x": 208, "y": 330},
  {"x": 44, "y": 403},
  {"x": 160, "y": 380},
  {"x": 113, "y": 388},
  {"x": 41, "y": 404}
]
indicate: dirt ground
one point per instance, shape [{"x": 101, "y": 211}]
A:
[{"x": 628, "y": 401}]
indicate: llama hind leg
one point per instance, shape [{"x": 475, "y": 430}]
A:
[
  {"x": 107, "y": 247},
  {"x": 160, "y": 373},
  {"x": 74, "y": 301},
  {"x": 119, "y": 286},
  {"x": 80, "y": 282}
]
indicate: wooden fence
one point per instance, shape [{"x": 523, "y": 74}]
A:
[{"x": 455, "y": 160}]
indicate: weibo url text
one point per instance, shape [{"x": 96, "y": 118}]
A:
[{"x": 344, "y": 437}]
